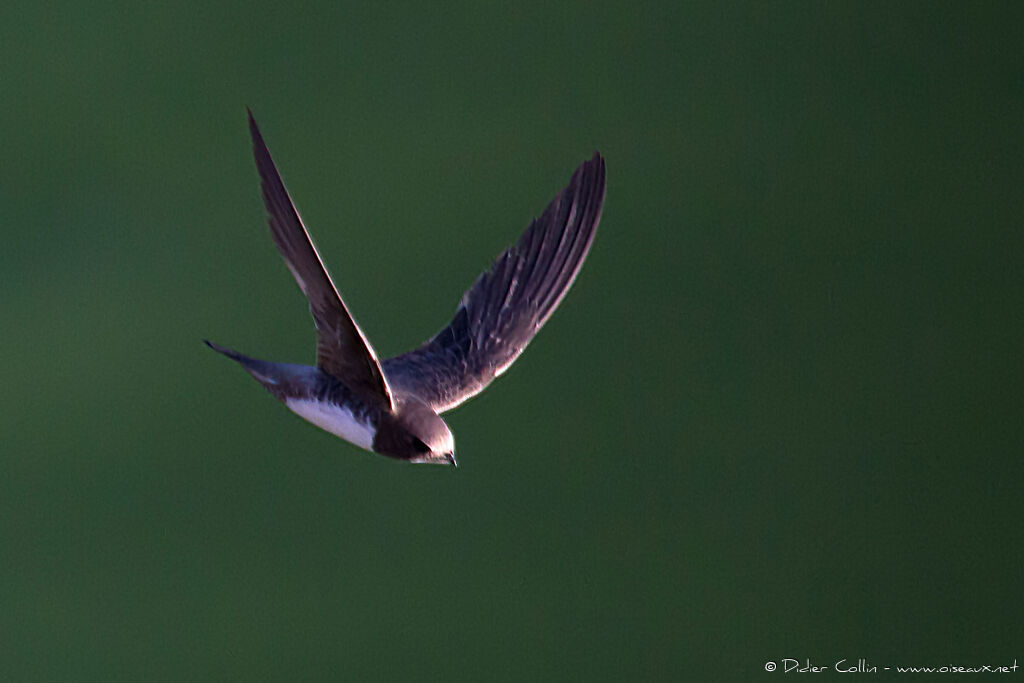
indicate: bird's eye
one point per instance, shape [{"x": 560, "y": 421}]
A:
[{"x": 419, "y": 446}]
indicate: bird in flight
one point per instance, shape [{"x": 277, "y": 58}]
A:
[{"x": 393, "y": 407}]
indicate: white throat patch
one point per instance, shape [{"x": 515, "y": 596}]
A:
[{"x": 334, "y": 419}]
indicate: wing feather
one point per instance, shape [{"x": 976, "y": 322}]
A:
[
  {"x": 342, "y": 349},
  {"x": 510, "y": 302}
]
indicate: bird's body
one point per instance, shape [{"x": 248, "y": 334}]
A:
[{"x": 392, "y": 407}]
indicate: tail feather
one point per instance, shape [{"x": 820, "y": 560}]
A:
[
  {"x": 279, "y": 379},
  {"x": 233, "y": 355}
]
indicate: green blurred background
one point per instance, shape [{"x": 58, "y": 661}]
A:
[{"x": 779, "y": 414}]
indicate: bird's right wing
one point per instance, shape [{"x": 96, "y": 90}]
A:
[{"x": 509, "y": 303}]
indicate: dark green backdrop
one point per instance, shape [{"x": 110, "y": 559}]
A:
[{"x": 778, "y": 416}]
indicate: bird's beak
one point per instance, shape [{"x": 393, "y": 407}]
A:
[{"x": 450, "y": 457}]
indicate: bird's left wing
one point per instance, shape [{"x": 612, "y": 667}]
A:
[{"x": 342, "y": 348}]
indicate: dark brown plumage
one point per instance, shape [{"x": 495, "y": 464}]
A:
[
  {"x": 393, "y": 407},
  {"x": 509, "y": 303},
  {"x": 342, "y": 350}
]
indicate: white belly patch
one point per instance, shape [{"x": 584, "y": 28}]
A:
[{"x": 334, "y": 419}]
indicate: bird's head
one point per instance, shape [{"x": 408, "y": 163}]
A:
[{"x": 415, "y": 433}]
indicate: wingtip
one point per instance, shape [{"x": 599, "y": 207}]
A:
[
  {"x": 593, "y": 171},
  {"x": 254, "y": 129},
  {"x": 595, "y": 162}
]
